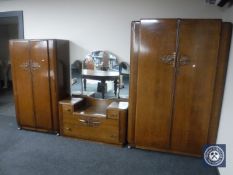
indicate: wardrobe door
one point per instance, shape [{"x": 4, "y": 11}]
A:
[
  {"x": 21, "y": 73},
  {"x": 197, "y": 64},
  {"x": 155, "y": 80},
  {"x": 41, "y": 84}
]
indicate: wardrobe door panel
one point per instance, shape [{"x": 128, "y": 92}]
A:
[
  {"x": 133, "y": 81},
  {"x": 223, "y": 57},
  {"x": 195, "y": 81},
  {"x": 155, "y": 81},
  {"x": 41, "y": 84},
  {"x": 19, "y": 52}
]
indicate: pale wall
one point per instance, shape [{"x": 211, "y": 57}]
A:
[
  {"x": 226, "y": 122},
  {"x": 99, "y": 24}
]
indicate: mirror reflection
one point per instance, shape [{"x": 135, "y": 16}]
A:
[{"x": 100, "y": 75}]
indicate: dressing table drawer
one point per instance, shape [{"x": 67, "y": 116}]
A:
[
  {"x": 113, "y": 114},
  {"x": 67, "y": 108},
  {"x": 103, "y": 130},
  {"x": 91, "y": 119}
]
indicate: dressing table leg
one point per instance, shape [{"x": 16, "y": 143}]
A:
[
  {"x": 85, "y": 84},
  {"x": 103, "y": 87},
  {"x": 115, "y": 87}
]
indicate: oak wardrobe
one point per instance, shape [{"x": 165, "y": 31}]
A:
[
  {"x": 40, "y": 71},
  {"x": 178, "y": 69}
]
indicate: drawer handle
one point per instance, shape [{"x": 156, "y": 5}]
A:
[
  {"x": 85, "y": 122},
  {"x": 89, "y": 122},
  {"x": 95, "y": 123},
  {"x": 68, "y": 110},
  {"x": 113, "y": 116},
  {"x": 68, "y": 129}
]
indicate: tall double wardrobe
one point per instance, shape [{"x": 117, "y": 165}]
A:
[
  {"x": 178, "y": 69},
  {"x": 41, "y": 77}
]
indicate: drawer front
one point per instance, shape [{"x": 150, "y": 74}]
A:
[
  {"x": 98, "y": 129},
  {"x": 113, "y": 114},
  {"x": 68, "y": 117},
  {"x": 67, "y": 108}
]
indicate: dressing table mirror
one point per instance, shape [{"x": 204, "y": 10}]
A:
[{"x": 100, "y": 75}]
